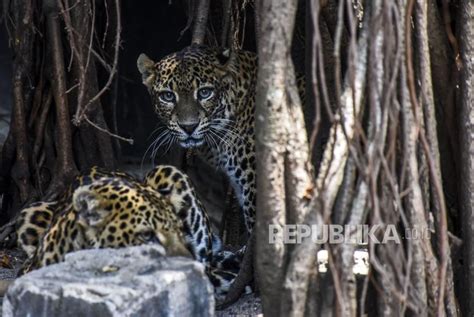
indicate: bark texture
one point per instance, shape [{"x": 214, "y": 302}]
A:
[{"x": 466, "y": 119}]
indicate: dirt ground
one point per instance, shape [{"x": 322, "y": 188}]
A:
[
  {"x": 10, "y": 262},
  {"x": 247, "y": 305}
]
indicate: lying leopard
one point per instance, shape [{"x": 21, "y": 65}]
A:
[
  {"x": 114, "y": 210},
  {"x": 206, "y": 100},
  {"x": 99, "y": 217}
]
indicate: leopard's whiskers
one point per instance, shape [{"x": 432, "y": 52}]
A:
[
  {"x": 220, "y": 138},
  {"x": 152, "y": 145},
  {"x": 160, "y": 141},
  {"x": 210, "y": 141},
  {"x": 229, "y": 130},
  {"x": 160, "y": 127},
  {"x": 172, "y": 139}
]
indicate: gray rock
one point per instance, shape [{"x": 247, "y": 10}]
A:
[{"x": 136, "y": 281}]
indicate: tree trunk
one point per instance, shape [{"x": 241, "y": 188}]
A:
[
  {"x": 466, "y": 133},
  {"x": 276, "y": 26},
  {"x": 65, "y": 167}
]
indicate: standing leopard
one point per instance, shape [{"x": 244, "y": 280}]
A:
[{"x": 206, "y": 99}]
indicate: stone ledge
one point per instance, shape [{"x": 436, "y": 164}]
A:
[{"x": 135, "y": 281}]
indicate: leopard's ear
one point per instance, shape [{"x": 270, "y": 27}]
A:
[
  {"x": 146, "y": 67},
  {"x": 87, "y": 204},
  {"x": 227, "y": 57}
]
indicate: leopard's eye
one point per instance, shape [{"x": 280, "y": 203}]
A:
[
  {"x": 147, "y": 236},
  {"x": 167, "y": 96},
  {"x": 205, "y": 93}
]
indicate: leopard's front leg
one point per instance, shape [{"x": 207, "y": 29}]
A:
[{"x": 240, "y": 167}]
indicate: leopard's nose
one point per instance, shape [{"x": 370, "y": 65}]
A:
[{"x": 189, "y": 127}]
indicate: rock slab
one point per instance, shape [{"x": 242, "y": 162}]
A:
[{"x": 137, "y": 281}]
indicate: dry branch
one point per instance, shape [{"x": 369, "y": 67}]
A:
[
  {"x": 82, "y": 109},
  {"x": 438, "y": 201},
  {"x": 347, "y": 304},
  {"x": 81, "y": 27},
  {"x": 414, "y": 204},
  {"x": 433, "y": 168},
  {"x": 328, "y": 181}
]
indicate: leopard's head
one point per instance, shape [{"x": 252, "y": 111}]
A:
[
  {"x": 192, "y": 93},
  {"x": 116, "y": 213}
]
